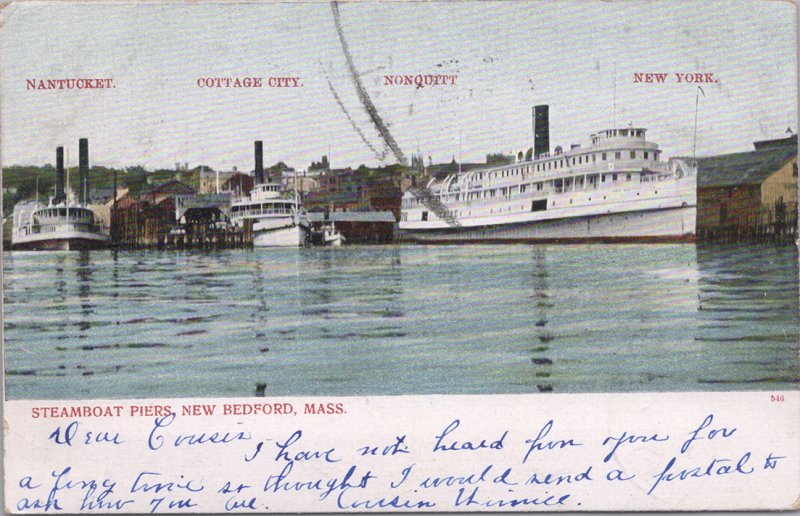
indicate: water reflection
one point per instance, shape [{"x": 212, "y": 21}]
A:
[
  {"x": 748, "y": 324},
  {"x": 542, "y": 357},
  {"x": 402, "y": 320},
  {"x": 84, "y": 269}
]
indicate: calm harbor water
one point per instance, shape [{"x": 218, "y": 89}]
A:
[{"x": 401, "y": 320}]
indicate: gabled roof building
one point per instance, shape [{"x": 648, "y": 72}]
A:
[{"x": 749, "y": 195}]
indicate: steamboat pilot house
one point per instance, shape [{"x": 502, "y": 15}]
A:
[{"x": 615, "y": 189}]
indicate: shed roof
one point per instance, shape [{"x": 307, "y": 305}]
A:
[
  {"x": 743, "y": 168},
  {"x": 353, "y": 216}
]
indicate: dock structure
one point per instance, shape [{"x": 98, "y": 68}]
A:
[
  {"x": 139, "y": 225},
  {"x": 206, "y": 236},
  {"x": 749, "y": 196}
]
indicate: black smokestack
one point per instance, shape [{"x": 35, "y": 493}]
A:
[
  {"x": 83, "y": 163},
  {"x": 60, "y": 197},
  {"x": 259, "y": 162},
  {"x": 541, "y": 130}
]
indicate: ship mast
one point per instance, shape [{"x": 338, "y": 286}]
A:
[
  {"x": 694, "y": 140},
  {"x": 66, "y": 187},
  {"x": 459, "y": 150},
  {"x": 614, "y": 115}
]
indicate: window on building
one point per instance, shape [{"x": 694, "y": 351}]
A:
[
  {"x": 614, "y": 177},
  {"x": 646, "y": 155},
  {"x": 794, "y": 169},
  {"x": 618, "y": 155},
  {"x": 633, "y": 154},
  {"x": 604, "y": 156},
  {"x": 627, "y": 177}
]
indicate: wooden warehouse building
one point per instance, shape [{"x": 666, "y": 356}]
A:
[{"x": 749, "y": 196}]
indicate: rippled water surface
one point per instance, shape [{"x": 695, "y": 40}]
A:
[{"x": 401, "y": 320}]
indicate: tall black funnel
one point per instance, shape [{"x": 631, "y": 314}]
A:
[
  {"x": 83, "y": 162},
  {"x": 541, "y": 130},
  {"x": 259, "y": 149},
  {"x": 60, "y": 196}
]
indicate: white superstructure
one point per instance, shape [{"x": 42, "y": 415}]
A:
[
  {"x": 615, "y": 189},
  {"x": 278, "y": 220},
  {"x": 63, "y": 226}
]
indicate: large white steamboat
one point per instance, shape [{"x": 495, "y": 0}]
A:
[{"x": 617, "y": 189}]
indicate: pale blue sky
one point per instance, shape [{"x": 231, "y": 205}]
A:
[{"x": 508, "y": 56}]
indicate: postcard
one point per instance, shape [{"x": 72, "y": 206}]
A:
[{"x": 321, "y": 257}]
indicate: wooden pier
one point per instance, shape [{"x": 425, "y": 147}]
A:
[
  {"x": 770, "y": 225},
  {"x": 145, "y": 226}
]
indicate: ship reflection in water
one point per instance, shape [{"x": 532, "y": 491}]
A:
[{"x": 401, "y": 320}]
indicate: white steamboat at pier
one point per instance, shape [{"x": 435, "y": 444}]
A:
[
  {"x": 65, "y": 223},
  {"x": 64, "y": 226},
  {"x": 278, "y": 217},
  {"x": 615, "y": 189},
  {"x": 278, "y": 220}
]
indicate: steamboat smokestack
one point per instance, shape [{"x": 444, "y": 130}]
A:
[
  {"x": 83, "y": 163},
  {"x": 60, "y": 197},
  {"x": 541, "y": 130},
  {"x": 259, "y": 175}
]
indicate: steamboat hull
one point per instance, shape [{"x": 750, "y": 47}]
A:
[
  {"x": 291, "y": 236},
  {"x": 60, "y": 244},
  {"x": 650, "y": 226}
]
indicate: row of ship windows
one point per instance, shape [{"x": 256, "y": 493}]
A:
[
  {"x": 262, "y": 209},
  {"x": 74, "y": 213},
  {"x": 556, "y": 185},
  {"x": 52, "y": 228},
  {"x": 538, "y": 205},
  {"x": 575, "y": 160},
  {"x": 636, "y": 133}
]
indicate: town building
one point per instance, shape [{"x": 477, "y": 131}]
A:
[
  {"x": 239, "y": 184},
  {"x": 212, "y": 180},
  {"x": 303, "y": 182},
  {"x": 168, "y": 190},
  {"x": 749, "y": 195}
]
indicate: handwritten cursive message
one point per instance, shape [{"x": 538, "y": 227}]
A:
[{"x": 436, "y": 454}]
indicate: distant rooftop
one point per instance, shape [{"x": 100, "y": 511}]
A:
[
  {"x": 746, "y": 168},
  {"x": 778, "y": 142}
]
